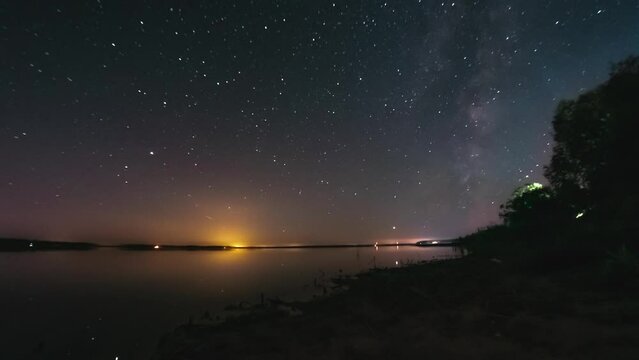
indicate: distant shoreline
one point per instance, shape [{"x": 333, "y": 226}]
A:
[{"x": 27, "y": 245}]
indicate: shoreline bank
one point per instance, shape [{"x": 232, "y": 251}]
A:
[{"x": 474, "y": 307}]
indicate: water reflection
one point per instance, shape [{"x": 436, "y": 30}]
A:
[{"x": 108, "y": 303}]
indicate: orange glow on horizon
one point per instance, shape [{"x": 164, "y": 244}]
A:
[{"x": 232, "y": 237}]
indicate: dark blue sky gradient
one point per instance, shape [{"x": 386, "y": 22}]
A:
[{"x": 285, "y": 121}]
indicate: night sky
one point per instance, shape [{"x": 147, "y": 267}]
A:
[{"x": 285, "y": 121}]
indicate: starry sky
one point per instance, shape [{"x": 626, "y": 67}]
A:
[{"x": 260, "y": 122}]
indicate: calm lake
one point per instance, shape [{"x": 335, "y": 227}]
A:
[{"x": 110, "y": 303}]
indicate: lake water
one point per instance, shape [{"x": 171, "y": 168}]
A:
[{"x": 106, "y": 303}]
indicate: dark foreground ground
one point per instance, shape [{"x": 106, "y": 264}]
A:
[{"x": 477, "y": 307}]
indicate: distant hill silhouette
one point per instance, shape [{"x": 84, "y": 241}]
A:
[{"x": 41, "y": 245}]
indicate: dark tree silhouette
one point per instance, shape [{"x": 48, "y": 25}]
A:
[
  {"x": 535, "y": 207},
  {"x": 595, "y": 158}
]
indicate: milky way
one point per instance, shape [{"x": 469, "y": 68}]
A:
[{"x": 285, "y": 121}]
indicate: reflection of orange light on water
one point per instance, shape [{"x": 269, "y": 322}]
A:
[{"x": 231, "y": 257}]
